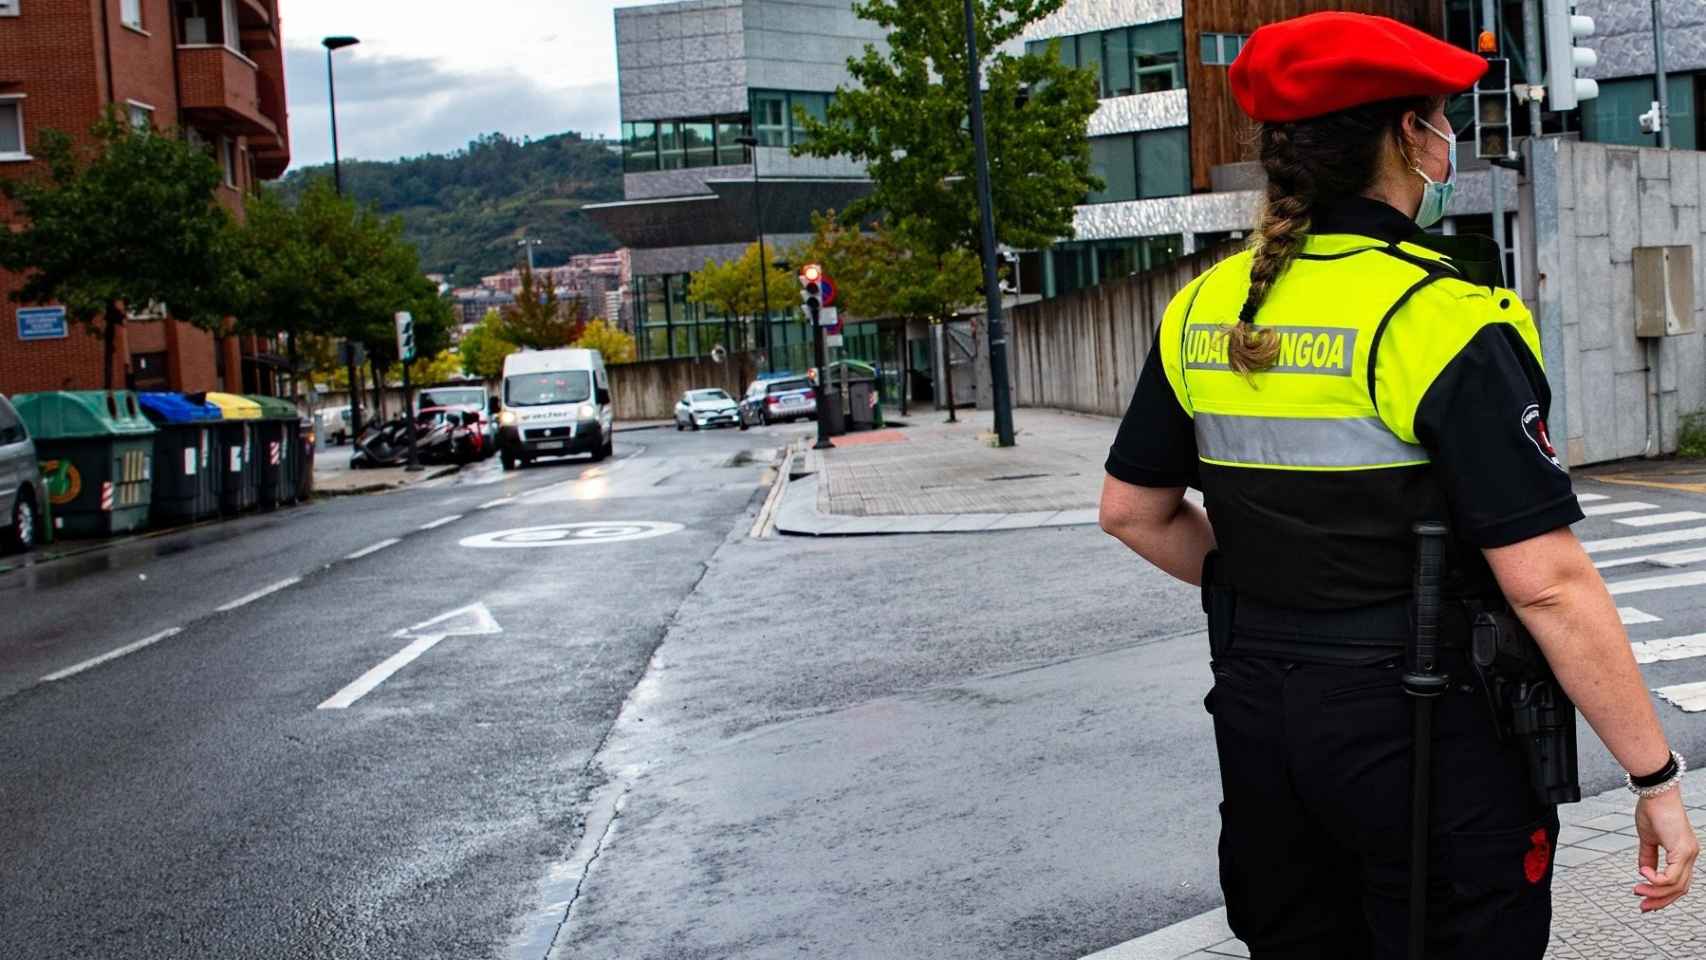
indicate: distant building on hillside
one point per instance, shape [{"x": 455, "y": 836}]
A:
[{"x": 587, "y": 278}]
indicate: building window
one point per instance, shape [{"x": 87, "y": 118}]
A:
[
  {"x": 699, "y": 140},
  {"x": 730, "y": 150},
  {"x": 1141, "y": 166},
  {"x": 130, "y": 13},
  {"x": 1125, "y": 60},
  {"x": 695, "y": 142},
  {"x": 671, "y": 154},
  {"x": 8, "y": 8},
  {"x": 639, "y": 147},
  {"x": 228, "y": 160},
  {"x": 141, "y": 116},
  {"x": 1077, "y": 265},
  {"x": 1220, "y": 49},
  {"x": 773, "y": 115},
  {"x": 12, "y": 129},
  {"x": 1614, "y": 116}
]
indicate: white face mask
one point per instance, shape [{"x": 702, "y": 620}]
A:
[{"x": 1436, "y": 194}]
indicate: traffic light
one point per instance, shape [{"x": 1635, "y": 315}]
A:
[
  {"x": 405, "y": 336},
  {"x": 1563, "y": 58},
  {"x": 811, "y": 290},
  {"x": 1493, "y": 110}
]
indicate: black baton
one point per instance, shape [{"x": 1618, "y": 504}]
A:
[{"x": 1423, "y": 682}]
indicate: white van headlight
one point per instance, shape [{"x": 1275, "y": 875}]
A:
[
  {"x": 586, "y": 411},
  {"x": 506, "y": 418}
]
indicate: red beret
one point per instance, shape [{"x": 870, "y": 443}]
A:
[{"x": 1325, "y": 62}]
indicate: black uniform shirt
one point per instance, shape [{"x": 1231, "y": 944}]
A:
[{"x": 1493, "y": 473}]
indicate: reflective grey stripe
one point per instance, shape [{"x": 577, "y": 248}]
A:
[{"x": 1307, "y": 442}]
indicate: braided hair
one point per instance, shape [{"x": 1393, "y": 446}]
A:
[{"x": 1308, "y": 162}]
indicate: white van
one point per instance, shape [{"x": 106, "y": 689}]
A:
[{"x": 554, "y": 403}]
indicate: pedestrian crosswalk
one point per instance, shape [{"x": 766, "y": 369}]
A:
[{"x": 1647, "y": 566}]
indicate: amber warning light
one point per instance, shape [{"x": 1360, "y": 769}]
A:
[{"x": 1487, "y": 43}]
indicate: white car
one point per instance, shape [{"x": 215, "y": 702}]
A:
[{"x": 706, "y": 408}]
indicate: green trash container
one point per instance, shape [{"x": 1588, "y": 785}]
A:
[
  {"x": 186, "y": 457},
  {"x": 99, "y": 449},
  {"x": 277, "y": 450},
  {"x": 239, "y": 478}
]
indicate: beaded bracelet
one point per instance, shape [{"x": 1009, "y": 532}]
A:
[{"x": 1668, "y": 778}]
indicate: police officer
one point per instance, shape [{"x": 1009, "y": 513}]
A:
[{"x": 1327, "y": 389}]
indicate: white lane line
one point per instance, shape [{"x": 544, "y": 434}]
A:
[
  {"x": 1606, "y": 509},
  {"x": 112, "y": 655},
  {"x": 496, "y": 503},
  {"x": 1590, "y": 497},
  {"x": 1631, "y": 616},
  {"x": 1669, "y": 581},
  {"x": 1670, "y": 648},
  {"x": 441, "y": 521},
  {"x": 264, "y": 591},
  {"x": 379, "y": 674},
  {"x": 367, "y": 551},
  {"x": 1645, "y": 540},
  {"x": 1673, "y": 558},
  {"x": 1687, "y": 697},
  {"x": 1660, "y": 519}
]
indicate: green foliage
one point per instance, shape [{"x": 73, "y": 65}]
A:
[
  {"x": 1691, "y": 435},
  {"x": 735, "y": 288},
  {"x": 464, "y": 211},
  {"x": 129, "y": 220},
  {"x": 907, "y": 119},
  {"x": 616, "y": 345},
  {"x": 484, "y": 348},
  {"x": 538, "y": 320},
  {"x": 893, "y": 271},
  {"x": 438, "y": 368}
]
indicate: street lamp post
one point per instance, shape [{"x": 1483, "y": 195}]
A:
[
  {"x": 751, "y": 143},
  {"x": 331, "y": 44},
  {"x": 530, "y": 244},
  {"x": 991, "y": 286}
]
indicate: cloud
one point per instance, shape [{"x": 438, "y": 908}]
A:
[{"x": 390, "y": 107}]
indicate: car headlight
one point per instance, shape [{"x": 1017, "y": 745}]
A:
[
  {"x": 507, "y": 418},
  {"x": 586, "y": 411}
]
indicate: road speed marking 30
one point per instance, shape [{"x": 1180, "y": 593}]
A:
[{"x": 572, "y": 534}]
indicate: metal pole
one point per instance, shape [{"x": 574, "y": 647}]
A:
[
  {"x": 764, "y": 275},
  {"x": 332, "y": 90},
  {"x": 1659, "y": 79},
  {"x": 409, "y": 411},
  {"x": 986, "y": 211},
  {"x": 1531, "y": 60},
  {"x": 1496, "y": 181},
  {"x": 823, "y": 442}
]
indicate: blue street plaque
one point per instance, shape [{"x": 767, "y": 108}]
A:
[{"x": 41, "y": 323}]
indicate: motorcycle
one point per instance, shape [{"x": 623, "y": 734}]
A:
[{"x": 387, "y": 444}]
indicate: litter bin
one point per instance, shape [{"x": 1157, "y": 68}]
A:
[
  {"x": 829, "y": 411},
  {"x": 309, "y": 432},
  {"x": 238, "y": 485},
  {"x": 863, "y": 402},
  {"x": 98, "y": 449},
  {"x": 186, "y": 468},
  {"x": 277, "y": 445}
]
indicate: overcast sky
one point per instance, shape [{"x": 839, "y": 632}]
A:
[{"x": 430, "y": 75}]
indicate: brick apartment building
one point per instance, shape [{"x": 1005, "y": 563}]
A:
[{"x": 214, "y": 68}]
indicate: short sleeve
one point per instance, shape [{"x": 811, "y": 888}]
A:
[
  {"x": 1156, "y": 445},
  {"x": 1483, "y": 422}
]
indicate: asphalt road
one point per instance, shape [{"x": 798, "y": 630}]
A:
[{"x": 226, "y": 791}]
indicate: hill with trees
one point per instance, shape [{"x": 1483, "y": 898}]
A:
[{"x": 465, "y": 211}]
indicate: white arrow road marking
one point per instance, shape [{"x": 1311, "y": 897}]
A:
[
  {"x": 1688, "y": 697},
  {"x": 470, "y": 621},
  {"x": 113, "y": 655},
  {"x": 1605, "y": 509},
  {"x": 1630, "y": 615},
  {"x": 1669, "y": 581},
  {"x": 1660, "y": 519}
]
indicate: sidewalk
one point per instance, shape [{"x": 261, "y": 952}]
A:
[
  {"x": 936, "y": 477},
  {"x": 333, "y": 476},
  {"x": 1594, "y": 915}
]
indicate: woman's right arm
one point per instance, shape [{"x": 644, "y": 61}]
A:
[{"x": 1559, "y": 596}]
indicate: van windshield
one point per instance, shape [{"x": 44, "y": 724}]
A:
[
  {"x": 540, "y": 389},
  {"x": 454, "y": 397}
]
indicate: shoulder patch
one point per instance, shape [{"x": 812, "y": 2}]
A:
[{"x": 1534, "y": 425}]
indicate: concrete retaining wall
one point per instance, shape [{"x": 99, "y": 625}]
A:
[{"x": 648, "y": 390}]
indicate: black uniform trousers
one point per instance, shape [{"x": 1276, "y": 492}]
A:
[{"x": 1315, "y": 827}]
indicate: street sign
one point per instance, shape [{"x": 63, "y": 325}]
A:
[
  {"x": 405, "y": 336},
  {"x": 829, "y": 289},
  {"x": 829, "y": 317},
  {"x": 42, "y": 323},
  {"x": 833, "y": 339}
]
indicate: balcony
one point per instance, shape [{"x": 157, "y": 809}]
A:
[
  {"x": 219, "y": 88},
  {"x": 271, "y": 150},
  {"x": 256, "y": 25}
]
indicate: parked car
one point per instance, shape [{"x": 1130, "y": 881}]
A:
[
  {"x": 335, "y": 424},
  {"x": 778, "y": 398},
  {"x": 22, "y": 491},
  {"x": 706, "y": 408}
]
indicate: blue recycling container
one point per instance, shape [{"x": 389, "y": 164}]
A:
[{"x": 186, "y": 457}]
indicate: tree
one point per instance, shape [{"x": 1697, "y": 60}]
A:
[
  {"x": 616, "y": 345},
  {"x": 538, "y": 320},
  {"x": 735, "y": 290},
  {"x": 129, "y": 220},
  {"x": 907, "y": 120},
  {"x": 441, "y": 366},
  {"x": 484, "y": 348}
]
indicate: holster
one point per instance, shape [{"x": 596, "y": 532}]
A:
[{"x": 1528, "y": 704}]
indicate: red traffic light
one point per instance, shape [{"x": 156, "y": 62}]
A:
[{"x": 811, "y": 272}]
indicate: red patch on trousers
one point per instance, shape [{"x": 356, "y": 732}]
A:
[{"x": 1538, "y": 857}]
